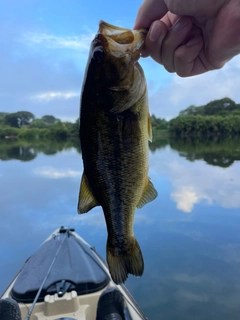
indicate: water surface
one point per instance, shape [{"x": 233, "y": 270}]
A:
[{"x": 189, "y": 235}]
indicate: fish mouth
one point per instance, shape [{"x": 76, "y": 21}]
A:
[{"x": 119, "y": 41}]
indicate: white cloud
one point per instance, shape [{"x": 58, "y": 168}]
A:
[
  {"x": 186, "y": 197},
  {"x": 53, "y": 95},
  {"x": 198, "y": 182},
  {"x": 201, "y": 182},
  {"x": 51, "y": 173},
  {"x": 51, "y": 41},
  {"x": 180, "y": 93}
]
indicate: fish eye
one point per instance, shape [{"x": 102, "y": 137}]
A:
[{"x": 98, "y": 54}]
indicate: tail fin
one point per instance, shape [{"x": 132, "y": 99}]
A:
[{"x": 122, "y": 263}]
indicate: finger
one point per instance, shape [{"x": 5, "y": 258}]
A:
[
  {"x": 189, "y": 59},
  {"x": 178, "y": 34},
  {"x": 156, "y": 34},
  {"x": 169, "y": 19},
  {"x": 149, "y": 11},
  {"x": 154, "y": 39}
]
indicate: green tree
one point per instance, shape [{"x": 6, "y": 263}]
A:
[
  {"x": 217, "y": 106},
  {"x": 190, "y": 110},
  {"x": 48, "y": 119},
  {"x": 2, "y": 117},
  {"x": 18, "y": 119},
  {"x": 158, "y": 123},
  {"x": 11, "y": 120},
  {"x": 38, "y": 123}
]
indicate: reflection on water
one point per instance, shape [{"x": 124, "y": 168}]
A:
[
  {"x": 17, "y": 151},
  {"x": 215, "y": 151},
  {"x": 189, "y": 235},
  {"x": 27, "y": 150},
  {"x": 158, "y": 142}
]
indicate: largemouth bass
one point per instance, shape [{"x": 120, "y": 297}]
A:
[{"x": 114, "y": 131}]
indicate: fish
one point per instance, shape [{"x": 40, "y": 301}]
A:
[{"x": 114, "y": 131}]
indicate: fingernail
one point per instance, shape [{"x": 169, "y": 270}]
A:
[
  {"x": 179, "y": 24},
  {"x": 155, "y": 31},
  {"x": 193, "y": 41}
]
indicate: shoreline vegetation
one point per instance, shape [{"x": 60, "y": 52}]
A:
[
  {"x": 216, "y": 151},
  {"x": 24, "y": 125},
  {"x": 218, "y": 117}
]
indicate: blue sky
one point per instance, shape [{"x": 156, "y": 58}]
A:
[{"x": 43, "y": 53}]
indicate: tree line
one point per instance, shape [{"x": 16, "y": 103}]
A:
[
  {"x": 218, "y": 117},
  {"x": 24, "y": 124}
]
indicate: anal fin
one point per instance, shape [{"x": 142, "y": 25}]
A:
[
  {"x": 86, "y": 200},
  {"x": 149, "y": 194}
]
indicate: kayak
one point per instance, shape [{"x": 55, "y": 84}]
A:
[{"x": 66, "y": 279}]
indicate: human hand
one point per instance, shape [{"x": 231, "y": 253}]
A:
[{"x": 190, "y": 37}]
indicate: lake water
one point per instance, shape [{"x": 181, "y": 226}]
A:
[{"x": 190, "y": 235}]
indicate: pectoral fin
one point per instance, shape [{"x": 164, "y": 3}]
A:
[
  {"x": 149, "y": 194},
  {"x": 86, "y": 200},
  {"x": 149, "y": 128}
]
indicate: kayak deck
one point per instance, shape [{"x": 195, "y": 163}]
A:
[
  {"x": 75, "y": 268},
  {"x": 78, "y": 284}
]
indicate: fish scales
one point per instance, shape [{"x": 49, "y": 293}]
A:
[{"x": 114, "y": 133}]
